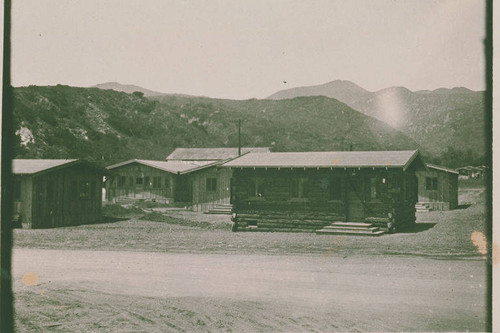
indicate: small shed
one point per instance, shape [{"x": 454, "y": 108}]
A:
[
  {"x": 361, "y": 192},
  {"x": 437, "y": 188},
  {"x": 55, "y": 193}
]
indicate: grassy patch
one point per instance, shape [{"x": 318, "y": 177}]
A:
[{"x": 159, "y": 217}]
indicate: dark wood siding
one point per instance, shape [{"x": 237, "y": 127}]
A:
[
  {"x": 376, "y": 196},
  {"x": 64, "y": 197},
  {"x": 23, "y": 204}
]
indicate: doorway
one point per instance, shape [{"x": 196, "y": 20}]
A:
[{"x": 354, "y": 200}]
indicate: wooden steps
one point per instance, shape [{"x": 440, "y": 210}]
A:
[
  {"x": 351, "y": 228},
  {"x": 224, "y": 209},
  {"x": 421, "y": 208}
]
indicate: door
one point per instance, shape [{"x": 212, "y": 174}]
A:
[
  {"x": 139, "y": 188},
  {"x": 354, "y": 200},
  {"x": 183, "y": 191}
]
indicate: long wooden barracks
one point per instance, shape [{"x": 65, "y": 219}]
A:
[
  {"x": 360, "y": 192},
  {"x": 189, "y": 176}
]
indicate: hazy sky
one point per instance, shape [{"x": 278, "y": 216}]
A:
[{"x": 245, "y": 49}]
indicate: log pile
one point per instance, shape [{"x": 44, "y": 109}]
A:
[{"x": 284, "y": 221}]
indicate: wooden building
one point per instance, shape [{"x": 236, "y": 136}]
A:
[
  {"x": 210, "y": 187},
  {"x": 161, "y": 181},
  {"x": 349, "y": 192},
  {"x": 189, "y": 176},
  {"x": 437, "y": 188},
  {"x": 56, "y": 193}
]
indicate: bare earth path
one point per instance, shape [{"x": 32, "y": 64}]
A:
[{"x": 160, "y": 292}]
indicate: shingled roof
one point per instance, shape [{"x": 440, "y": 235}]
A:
[
  {"x": 341, "y": 159},
  {"x": 177, "y": 167},
  {"x": 212, "y": 154}
]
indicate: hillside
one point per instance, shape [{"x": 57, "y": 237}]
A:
[
  {"x": 130, "y": 89},
  {"x": 106, "y": 126},
  {"x": 127, "y": 88},
  {"x": 449, "y": 124}
]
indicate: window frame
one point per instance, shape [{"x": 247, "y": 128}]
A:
[
  {"x": 431, "y": 183},
  {"x": 211, "y": 184}
]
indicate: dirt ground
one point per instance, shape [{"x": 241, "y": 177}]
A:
[
  {"x": 144, "y": 276},
  {"x": 112, "y": 291}
]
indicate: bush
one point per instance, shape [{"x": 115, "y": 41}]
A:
[{"x": 115, "y": 210}]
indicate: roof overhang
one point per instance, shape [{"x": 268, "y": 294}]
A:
[{"x": 70, "y": 163}]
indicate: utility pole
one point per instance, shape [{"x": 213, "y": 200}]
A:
[{"x": 239, "y": 137}]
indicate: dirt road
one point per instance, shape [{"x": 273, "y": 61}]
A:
[{"x": 146, "y": 291}]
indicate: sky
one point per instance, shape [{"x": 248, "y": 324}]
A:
[{"x": 242, "y": 49}]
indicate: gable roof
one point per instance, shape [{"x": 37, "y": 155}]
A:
[
  {"x": 442, "y": 168},
  {"x": 340, "y": 159},
  {"x": 211, "y": 154},
  {"x": 175, "y": 167},
  {"x": 32, "y": 166},
  {"x": 37, "y": 166}
]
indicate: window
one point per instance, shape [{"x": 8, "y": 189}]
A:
[
  {"x": 211, "y": 184},
  {"x": 298, "y": 187},
  {"x": 121, "y": 181},
  {"x": 156, "y": 182},
  {"x": 138, "y": 181},
  {"x": 378, "y": 187},
  {"x": 84, "y": 189},
  {"x": 335, "y": 188},
  {"x": 17, "y": 190},
  {"x": 431, "y": 183},
  {"x": 256, "y": 188}
]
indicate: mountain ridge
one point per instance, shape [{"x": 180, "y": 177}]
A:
[
  {"x": 445, "y": 121},
  {"x": 106, "y": 126}
]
